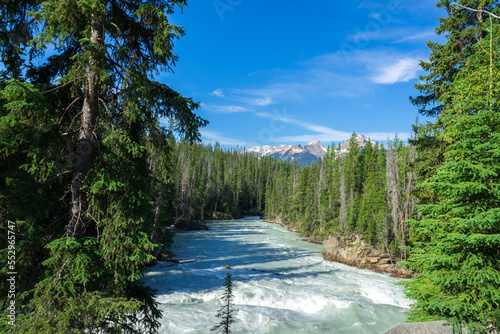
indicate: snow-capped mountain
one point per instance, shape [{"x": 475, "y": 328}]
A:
[
  {"x": 362, "y": 140},
  {"x": 304, "y": 154}
]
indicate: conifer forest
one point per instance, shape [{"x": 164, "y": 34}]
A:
[{"x": 98, "y": 160}]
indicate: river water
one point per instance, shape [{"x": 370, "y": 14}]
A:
[{"x": 280, "y": 284}]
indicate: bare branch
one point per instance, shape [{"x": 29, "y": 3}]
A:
[
  {"x": 477, "y": 10},
  {"x": 118, "y": 30},
  {"x": 116, "y": 65},
  {"x": 105, "y": 106},
  {"x": 69, "y": 133},
  {"x": 67, "y": 108},
  {"x": 61, "y": 86},
  {"x": 55, "y": 221},
  {"x": 73, "y": 120}
]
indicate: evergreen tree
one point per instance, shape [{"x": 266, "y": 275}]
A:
[
  {"x": 457, "y": 246},
  {"x": 77, "y": 138},
  {"x": 462, "y": 29},
  {"x": 351, "y": 169},
  {"x": 225, "y": 313},
  {"x": 368, "y": 217}
]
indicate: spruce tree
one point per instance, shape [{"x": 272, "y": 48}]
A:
[
  {"x": 351, "y": 169},
  {"x": 462, "y": 29},
  {"x": 76, "y": 141},
  {"x": 457, "y": 246},
  {"x": 225, "y": 313}
]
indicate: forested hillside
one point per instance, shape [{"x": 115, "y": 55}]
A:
[
  {"x": 207, "y": 179},
  {"x": 365, "y": 191}
]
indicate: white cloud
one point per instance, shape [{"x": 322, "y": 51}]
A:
[
  {"x": 339, "y": 74},
  {"x": 420, "y": 36},
  {"x": 213, "y": 136},
  {"x": 253, "y": 97},
  {"x": 276, "y": 91},
  {"x": 224, "y": 109},
  {"x": 218, "y": 92},
  {"x": 324, "y": 134},
  {"x": 256, "y": 100},
  {"x": 403, "y": 70},
  {"x": 397, "y": 35},
  {"x": 261, "y": 102}
]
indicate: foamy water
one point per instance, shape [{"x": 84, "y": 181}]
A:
[{"x": 281, "y": 285}]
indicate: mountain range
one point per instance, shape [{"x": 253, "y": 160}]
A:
[{"x": 304, "y": 154}]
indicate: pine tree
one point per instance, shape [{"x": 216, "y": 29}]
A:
[
  {"x": 76, "y": 139},
  {"x": 457, "y": 248},
  {"x": 367, "y": 218},
  {"x": 462, "y": 29},
  {"x": 225, "y": 313}
]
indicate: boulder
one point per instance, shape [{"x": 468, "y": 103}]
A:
[{"x": 221, "y": 216}]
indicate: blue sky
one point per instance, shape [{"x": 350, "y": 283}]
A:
[{"x": 289, "y": 72}]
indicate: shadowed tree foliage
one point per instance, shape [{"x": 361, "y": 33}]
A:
[{"x": 83, "y": 158}]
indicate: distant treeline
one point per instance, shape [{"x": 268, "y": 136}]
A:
[{"x": 206, "y": 179}]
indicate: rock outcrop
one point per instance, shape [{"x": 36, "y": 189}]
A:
[
  {"x": 221, "y": 216},
  {"x": 353, "y": 251}
]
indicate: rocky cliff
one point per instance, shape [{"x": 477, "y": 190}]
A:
[{"x": 353, "y": 251}]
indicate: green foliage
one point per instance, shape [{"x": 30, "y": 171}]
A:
[
  {"x": 208, "y": 179},
  {"x": 225, "y": 313},
  {"x": 75, "y": 275},
  {"x": 462, "y": 29},
  {"x": 457, "y": 248},
  {"x": 346, "y": 193},
  {"x": 90, "y": 282}
]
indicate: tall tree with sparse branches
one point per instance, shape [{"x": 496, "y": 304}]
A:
[{"x": 225, "y": 313}]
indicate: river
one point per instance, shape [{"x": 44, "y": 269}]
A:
[{"x": 281, "y": 284}]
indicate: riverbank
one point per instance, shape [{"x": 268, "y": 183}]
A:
[{"x": 353, "y": 251}]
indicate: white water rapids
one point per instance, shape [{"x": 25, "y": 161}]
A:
[{"x": 280, "y": 283}]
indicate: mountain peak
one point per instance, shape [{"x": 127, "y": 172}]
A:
[
  {"x": 305, "y": 154},
  {"x": 308, "y": 153},
  {"x": 314, "y": 142},
  {"x": 361, "y": 138}
]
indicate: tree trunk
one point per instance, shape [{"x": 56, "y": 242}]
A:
[
  {"x": 155, "y": 235},
  {"x": 343, "y": 205},
  {"x": 392, "y": 192},
  {"x": 85, "y": 146}
]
